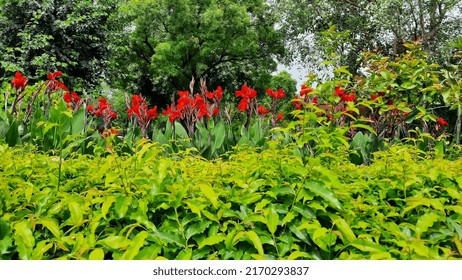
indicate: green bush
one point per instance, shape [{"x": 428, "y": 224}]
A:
[{"x": 252, "y": 204}]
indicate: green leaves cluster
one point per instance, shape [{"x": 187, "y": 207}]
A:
[
  {"x": 168, "y": 42},
  {"x": 251, "y": 205}
]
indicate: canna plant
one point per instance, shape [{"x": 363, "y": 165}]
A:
[{"x": 142, "y": 115}]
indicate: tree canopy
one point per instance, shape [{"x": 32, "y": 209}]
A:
[
  {"x": 170, "y": 42},
  {"x": 37, "y": 37},
  {"x": 383, "y": 25}
]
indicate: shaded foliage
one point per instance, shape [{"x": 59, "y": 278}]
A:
[{"x": 38, "y": 37}]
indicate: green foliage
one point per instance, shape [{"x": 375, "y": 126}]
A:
[
  {"x": 285, "y": 81},
  {"x": 38, "y": 37},
  {"x": 170, "y": 42},
  {"x": 368, "y": 25},
  {"x": 253, "y": 205}
]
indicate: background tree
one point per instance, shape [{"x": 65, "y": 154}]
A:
[
  {"x": 37, "y": 37},
  {"x": 383, "y": 25},
  {"x": 285, "y": 81},
  {"x": 168, "y": 42}
]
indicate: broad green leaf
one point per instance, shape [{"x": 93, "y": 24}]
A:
[
  {"x": 115, "y": 242},
  {"x": 425, "y": 221},
  {"x": 325, "y": 193},
  {"x": 368, "y": 246},
  {"x": 195, "y": 209},
  {"x": 453, "y": 225},
  {"x": 23, "y": 231},
  {"x": 272, "y": 219},
  {"x": 258, "y": 257},
  {"x": 408, "y": 85},
  {"x": 456, "y": 241},
  {"x": 121, "y": 206},
  {"x": 364, "y": 126},
  {"x": 41, "y": 248},
  {"x": 28, "y": 191},
  {"x": 46, "y": 126},
  {"x": 197, "y": 227},
  {"x": 253, "y": 236},
  {"x": 170, "y": 238},
  {"x": 51, "y": 225},
  {"x": 212, "y": 240},
  {"x": 288, "y": 218},
  {"x": 324, "y": 238},
  {"x": 420, "y": 248},
  {"x": 77, "y": 122},
  {"x": 12, "y": 135},
  {"x": 219, "y": 133},
  {"x": 135, "y": 246},
  {"x": 343, "y": 227},
  {"x": 4, "y": 228},
  {"x": 185, "y": 254},
  {"x": 298, "y": 255},
  {"x": 76, "y": 213},
  {"x": 107, "y": 204},
  {"x": 260, "y": 205},
  {"x": 96, "y": 254},
  {"x": 180, "y": 131},
  {"x": 208, "y": 191}
]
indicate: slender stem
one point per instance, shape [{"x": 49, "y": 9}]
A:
[{"x": 458, "y": 124}]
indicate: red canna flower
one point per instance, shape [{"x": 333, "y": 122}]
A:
[
  {"x": 339, "y": 91},
  {"x": 262, "y": 110},
  {"x": 374, "y": 97},
  {"x": 19, "y": 81},
  {"x": 142, "y": 113},
  {"x": 298, "y": 105},
  {"x": 215, "y": 111},
  {"x": 183, "y": 101},
  {"x": 104, "y": 110},
  {"x": 152, "y": 113},
  {"x": 217, "y": 94},
  {"x": 75, "y": 97},
  {"x": 67, "y": 97},
  {"x": 243, "y": 104},
  {"x": 442, "y": 122},
  {"x": 280, "y": 117},
  {"x": 305, "y": 90},
  {"x": 247, "y": 94},
  {"x": 73, "y": 100},
  {"x": 348, "y": 97},
  {"x": 54, "y": 84},
  {"x": 314, "y": 100},
  {"x": 54, "y": 75},
  {"x": 276, "y": 94},
  {"x": 172, "y": 114}
]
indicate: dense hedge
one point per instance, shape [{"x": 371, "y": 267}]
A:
[{"x": 251, "y": 205}]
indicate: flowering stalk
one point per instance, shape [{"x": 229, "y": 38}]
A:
[
  {"x": 276, "y": 95},
  {"x": 104, "y": 111},
  {"x": 141, "y": 113},
  {"x": 248, "y": 102}
]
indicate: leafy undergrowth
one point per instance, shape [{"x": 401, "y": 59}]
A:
[{"x": 270, "y": 204}]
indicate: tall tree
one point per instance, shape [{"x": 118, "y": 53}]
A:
[
  {"x": 67, "y": 35},
  {"x": 384, "y": 25},
  {"x": 169, "y": 42}
]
